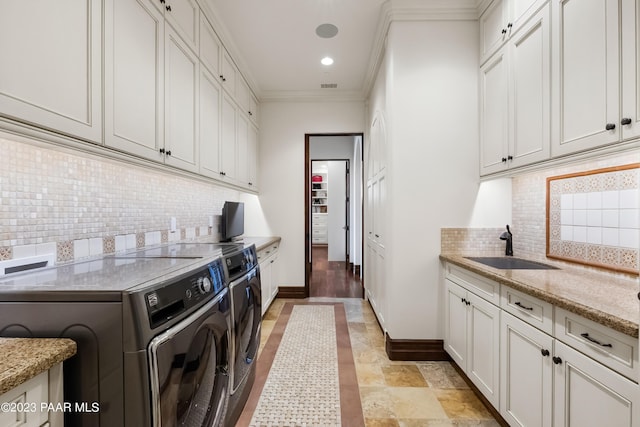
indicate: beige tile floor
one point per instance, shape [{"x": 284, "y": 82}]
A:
[{"x": 399, "y": 393}]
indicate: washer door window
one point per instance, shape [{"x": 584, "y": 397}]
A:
[
  {"x": 189, "y": 372},
  {"x": 247, "y": 309}
]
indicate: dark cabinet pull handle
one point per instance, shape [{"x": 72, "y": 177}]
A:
[
  {"x": 610, "y": 126},
  {"x": 251, "y": 183},
  {"x": 519, "y": 304},
  {"x": 556, "y": 360},
  {"x": 462, "y": 300},
  {"x": 504, "y": 31},
  {"x": 509, "y": 25},
  {"x": 168, "y": 8},
  {"x": 509, "y": 157},
  {"x": 504, "y": 160},
  {"x": 162, "y": 151},
  {"x": 588, "y": 338},
  {"x": 162, "y": 1},
  {"x": 222, "y": 78},
  {"x": 168, "y": 152},
  {"x": 545, "y": 352},
  {"x": 377, "y": 235},
  {"x": 625, "y": 121}
]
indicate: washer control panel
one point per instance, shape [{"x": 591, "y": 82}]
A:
[
  {"x": 239, "y": 263},
  {"x": 174, "y": 298}
]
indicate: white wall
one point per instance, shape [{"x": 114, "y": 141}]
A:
[
  {"x": 432, "y": 161},
  {"x": 283, "y": 126}
]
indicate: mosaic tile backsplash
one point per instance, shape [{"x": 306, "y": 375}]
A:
[
  {"x": 76, "y": 205},
  {"x": 593, "y": 217}
]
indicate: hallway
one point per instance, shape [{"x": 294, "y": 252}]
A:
[{"x": 332, "y": 279}]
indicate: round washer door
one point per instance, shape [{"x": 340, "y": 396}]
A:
[{"x": 189, "y": 371}]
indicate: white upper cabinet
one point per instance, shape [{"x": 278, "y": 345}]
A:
[
  {"x": 228, "y": 117},
  {"x": 51, "y": 73},
  {"x": 181, "y": 102},
  {"x": 184, "y": 16},
  {"x": 253, "y": 109},
  {"x": 210, "y": 47},
  {"x": 229, "y": 74},
  {"x": 253, "y": 157},
  {"x": 630, "y": 121},
  {"x": 134, "y": 83},
  {"x": 515, "y": 108},
  {"x": 209, "y": 138},
  {"x": 587, "y": 70},
  {"x": 500, "y": 20}
]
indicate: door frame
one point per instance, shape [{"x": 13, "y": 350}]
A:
[{"x": 307, "y": 202}]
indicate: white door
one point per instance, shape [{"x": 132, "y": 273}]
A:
[{"x": 337, "y": 211}]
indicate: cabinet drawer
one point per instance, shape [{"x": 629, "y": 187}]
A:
[
  {"x": 318, "y": 219},
  {"x": 614, "y": 349},
  {"x": 268, "y": 251},
  {"x": 319, "y": 240},
  {"x": 319, "y": 227},
  {"x": 530, "y": 309},
  {"x": 481, "y": 286}
]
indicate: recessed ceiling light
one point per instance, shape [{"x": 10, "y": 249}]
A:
[
  {"x": 327, "y": 61},
  {"x": 326, "y": 31}
]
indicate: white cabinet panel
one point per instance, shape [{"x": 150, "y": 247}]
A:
[
  {"x": 455, "y": 323},
  {"x": 525, "y": 374},
  {"x": 181, "y": 93},
  {"x": 493, "y": 33},
  {"x": 229, "y": 74},
  {"x": 630, "y": 69},
  {"x": 494, "y": 114},
  {"x": 242, "y": 142},
  {"x": 209, "y": 138},
  {"x": 134, "y": 83},
  {"x": 184, "y": 16},
  {"x": 52, "y": 74},
  {"x": 210, "y": 47},
  {"x": 228, "y": 124},
  {"x": 253, "y": 157},
  {"x": 589, "y": 69},
  {"x": 589, "y": 395}
]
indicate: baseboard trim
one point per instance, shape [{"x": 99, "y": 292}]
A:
[
  {"x": 425, "y": 350},
  {"x": 297, "y": 292}
]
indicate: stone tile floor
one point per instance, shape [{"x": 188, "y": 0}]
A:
[{"x": 399, "y": 393}]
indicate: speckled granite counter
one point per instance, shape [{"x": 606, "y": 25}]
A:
[
  {"x": 23, "y": 358},
  {"x": 608, "y": 300}
]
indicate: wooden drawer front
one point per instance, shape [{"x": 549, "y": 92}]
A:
[
  {"x": 318, "y": 219},
  {"x": 481, "y": 286},
  {"x": 530, "y": 309},
  {"x": 611, "y": 348}
]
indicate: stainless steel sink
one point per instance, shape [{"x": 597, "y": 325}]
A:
[{"x": 510, "y": 263}]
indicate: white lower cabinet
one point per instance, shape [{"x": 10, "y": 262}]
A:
[
  {"x": 588, "y": 394},
  {"x": 538, "y": 372},
  {"x": 267, "y": 259},
  {"x": 525, "y": 373},
  {"x": 472, "y": 338},
  {"x": 25, "y": 401}
]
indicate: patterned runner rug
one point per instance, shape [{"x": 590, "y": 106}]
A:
[{"x": 305, "y": 373}]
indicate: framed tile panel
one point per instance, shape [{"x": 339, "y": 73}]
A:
[{"x": 593, "y": 218}]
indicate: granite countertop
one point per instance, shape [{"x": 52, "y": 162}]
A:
[
  {"x": 24, "y": 358},
  {"x": 604, "y": 298}
]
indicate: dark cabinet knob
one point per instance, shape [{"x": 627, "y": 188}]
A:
[
  {"x": 222, "y": 78},
  {"x": 545, "y": 352},
  {"x": 509, "y": 157},
  {"x": 250, "y": 113},
  {"x": 504, "y": 31},
  {"x": 251, "y": 183},
  {"x": 625, "y": 121},
  {"x": 504, "y": 160},
  {"x": 162, "y": 1},
  {"x": 556, "y": 360},
  {"x": 169, "y": 8},
  {"x": 168, "y": 152},
  {"x": 610, "y": 126},
  {"x": 162, "y": 151}
]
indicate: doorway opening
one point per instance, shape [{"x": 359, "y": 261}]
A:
[{"x": 333, "y": 215}]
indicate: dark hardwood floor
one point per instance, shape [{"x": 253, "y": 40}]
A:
[{"x": 332, "y": 279}]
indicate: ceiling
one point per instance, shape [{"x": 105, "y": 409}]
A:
[{"x": 274, "y": 43}]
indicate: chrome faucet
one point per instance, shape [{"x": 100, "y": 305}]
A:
[{"x": 506, "y": 235}]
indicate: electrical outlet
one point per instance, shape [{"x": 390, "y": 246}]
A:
[{"x": 173, "y": 224}]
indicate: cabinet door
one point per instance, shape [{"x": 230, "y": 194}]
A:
[
  {"x": 530, "y": 92},
  {"x": 265, "y": 283},
  {"x": 274, "y": 277},
  {"x": 587, "y": 394},
  {"x": 630, "y": 68},
  {"x": 184, "y": 17},
  {"x": 229, "y": 73},
  {"x": 588, "y": 77},
  {"x": 228, "y": 123},
  {"x": 455, "y": 323},
  {"x": 210, "y": 47},
  {"x": 181, "y": 100},
  {"x": 494, "y": 114},
  {"x": 134, "y": 84},
  {"x": 209, "y": 138},
  {"x": 253, "y": 109},
  {"x": 483, "y": 346},
  {"x": 493, "y": 28},
  {"x": 253, "y": 157},
  {"x": 242, "y": 142},
  {"x": 525, "y": 374},
  {"x": 51, "y": 74}
]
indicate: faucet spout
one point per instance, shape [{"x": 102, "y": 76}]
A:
[{"x": 506, "y": 235}]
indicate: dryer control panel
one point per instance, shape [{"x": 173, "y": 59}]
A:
[
  {"x": 239, "y": 263},
  {"x": 184, "y": 293}
]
